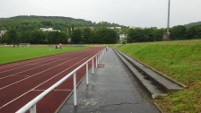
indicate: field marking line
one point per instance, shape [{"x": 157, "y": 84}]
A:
[
  {"x": 31, "y": 68},
  {"x": 34, "y": 60},
  {"x": 18, "y": 63},
  {"x": 62, "y": 90},
  {"x": 24, "y": 65},
  {"x": 53, "y": 57},
  {"x": 37, "y": 73},
  {"x": 40, "y": 84}
]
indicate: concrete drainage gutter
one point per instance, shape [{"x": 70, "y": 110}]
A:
[{"x": 154, "y": 82}]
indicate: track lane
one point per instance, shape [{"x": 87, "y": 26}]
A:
[
  {"x": 40, "y": 76},
  {"x": 26, "y": 66},
  {"x": 21, "y": 85},
  {"x": 18, "y": 77},
  {"x": 41, "y": 87}
]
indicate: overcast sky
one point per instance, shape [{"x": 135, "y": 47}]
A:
[{"x": 139, "y": 13}]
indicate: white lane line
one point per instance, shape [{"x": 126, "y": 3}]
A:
[
  {"x": 14, "y": 99},
  {"x": 35, "y": 67},
  {"x": 32, "y": 68},
  {"x": 28, "y": 69},
  {"x": 24, "y": 65},
  {"x": 39, "y": 90},
  {"x": 39, "y": 85},
  {"x": 34, "y": 60},
  {"x": 33, "y": 75},
  {"x": 18, "y": 64},
  {"x": 65, "y": 90},
  {"x": 62, "y": 90}
]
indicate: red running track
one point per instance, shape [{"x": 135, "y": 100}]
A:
[{"x": 22, "y": 81}]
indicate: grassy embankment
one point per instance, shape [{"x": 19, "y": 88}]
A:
[
  {"x": 14, "y": 54},
  {"x": 180, "y": 60}
]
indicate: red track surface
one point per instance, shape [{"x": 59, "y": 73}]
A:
[{"x": 22, "y": 81}]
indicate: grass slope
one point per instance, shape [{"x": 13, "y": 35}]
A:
[
  {"x": 180, "y": 60},
  {"x": 14, "y": 54}
]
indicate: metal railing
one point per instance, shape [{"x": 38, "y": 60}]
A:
[{"x": 32, "y": 104}]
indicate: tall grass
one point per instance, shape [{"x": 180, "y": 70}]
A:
[{"x": 180, "y": 60}]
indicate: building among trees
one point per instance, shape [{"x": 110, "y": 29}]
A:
[
  {"x": 49, "y": 30},
  {"x": 2, "y": 32}
]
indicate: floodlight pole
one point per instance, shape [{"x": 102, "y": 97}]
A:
[{"x": 168, "y": 22}]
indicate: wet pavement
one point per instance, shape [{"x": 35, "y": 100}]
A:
[{"x": 112, "y": 89}]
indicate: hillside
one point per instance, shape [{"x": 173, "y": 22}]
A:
[
  {"x": 36, "y": 22},
  {"x": 179, "y": 60},
  {"x": 193, "y": 24},
  {"x": 54, "y": 30}
]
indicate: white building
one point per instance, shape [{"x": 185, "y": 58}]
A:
[
  {"x": 3, "y": 32},
  {"x": 114, "y": 28},
  {"x": 122, "y": 37},
  {"x": 49, "y": 30}
]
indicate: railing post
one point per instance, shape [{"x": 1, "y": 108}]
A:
[
  {"x": 87, "y": 74},
  {"x": 75, "y": 91},
  {"x": 92, "y": 65},
  {"x": 33, "y": 109},
  {"x": 96, "y": 61},
  {"x": 99, "y": 57},
  {"x": 101, "y": 54}
]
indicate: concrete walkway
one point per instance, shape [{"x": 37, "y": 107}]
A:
[{"x": 111, "y": 89}]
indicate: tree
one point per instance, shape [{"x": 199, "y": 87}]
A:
[
  {"x": 62, "y": 37},
  {"x": 76, "y": 36},
  {"x": 159, "y": 34},
  {"x": 56, "y": 37},
  {"x": 136, "y": 35},
  {"x": 46, "y": 23},
  {"x": 150, "y": 34},
  {"x": 24, "y": 36},
  {"x": 106, "y": 36},
  {"x": 193, "y": 32},
  {"x": 178, "y": 32},
  {"x": 11, "y": 37},
  {"x": 145, "y": 35},
  {"x": 87, "y": 37}
]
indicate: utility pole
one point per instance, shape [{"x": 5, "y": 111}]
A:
[
  {"x": 168, "y": 21},
  {"x": 166, "y": 35}
]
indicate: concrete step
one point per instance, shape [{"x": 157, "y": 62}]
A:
[{"x": 154, "y": 82}]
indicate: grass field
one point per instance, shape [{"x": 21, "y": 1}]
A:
[
  {"x": 181, "y": 60},
  {"x": 14, "y": 54}
]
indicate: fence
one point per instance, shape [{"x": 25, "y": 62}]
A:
[{"x": 32, "y": 104}]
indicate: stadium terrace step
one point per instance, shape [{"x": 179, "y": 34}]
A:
[{"x": 155, "y": 83}]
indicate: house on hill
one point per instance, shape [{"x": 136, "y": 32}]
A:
[
  {"x": 2, "y": 32},
  {"x": 49, "y": 30}
]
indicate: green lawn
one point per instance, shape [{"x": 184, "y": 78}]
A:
[
  {"x": 181, "y": 60},
  {"x": 13, "y": 54}
]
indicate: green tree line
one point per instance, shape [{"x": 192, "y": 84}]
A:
[
  {"x": 62, "y": 23},
  {"x": 26, "y": 29},
  {"x": 100, "y": 36},
  {"x": 78, "y": 36},
  {"x": 179, "y": 32}
]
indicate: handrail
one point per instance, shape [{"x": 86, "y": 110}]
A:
[{"x": 32, "y": 104}]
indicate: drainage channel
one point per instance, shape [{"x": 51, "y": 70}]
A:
[{"x": 153, "y": 82}]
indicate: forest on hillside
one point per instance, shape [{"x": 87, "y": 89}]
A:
[
  {"x": 178, "y": 32},
  {"x": 56, "y": 22},
  {"x": 27, "y": 29}
]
